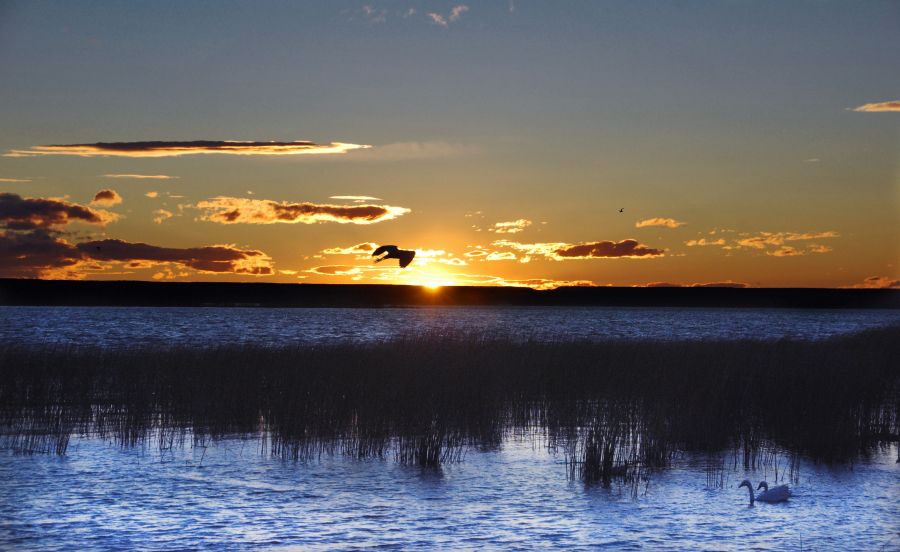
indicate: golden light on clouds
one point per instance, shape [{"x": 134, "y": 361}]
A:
[
  {"x": 889, "y": 106},
  {"x": 659, "y": 221},
  {"x": 176, "y": 149},
  {"x": 235, "y": 210}
]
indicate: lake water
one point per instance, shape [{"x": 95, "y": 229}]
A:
[
  {"x": 210, "y": 326},
  {"x": 231, "y": 496}
]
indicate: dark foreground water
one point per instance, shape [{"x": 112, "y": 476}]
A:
[
  {"x": 211, "y": 326},
  {"x": 230, "y": 496}
]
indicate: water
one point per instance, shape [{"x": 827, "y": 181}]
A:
[
  {"x": 229, "y": 495},
  {"x": 232, "y": 495},
  {"x": 187, "y": 326}
]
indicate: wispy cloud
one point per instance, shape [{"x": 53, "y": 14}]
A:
[
  {"x": 878, "y": 282},
  {"x": 888, "y": 106},
  {"x": 106, "y": 198},
  {"x": 374, "y": 15},
  {"x": 445, "y": 20},
  {"x": 658, "y": 221},
  {"x": 175, "y": 148},
  {"x": 703, "y": 242},
  {"x": 14, "y": 180},
  {"x": 356, "y": 198},
  {"x": 365, "y": 248},
  {"x": 412, "y": 151},
  {"x": 764, "y": 239},
  {"x": 559, "y": 251},
  {"x": 725, "y": 284},
  {"x": 143, "y": 176},
  {"x": 234, "y": 210},
  {"x": 511, "y": 227},
  {"x": 18, "y": 213},
  {"x": 152, "y": 194}
]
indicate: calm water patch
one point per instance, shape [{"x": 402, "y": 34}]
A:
[
  {"x": 229, "y": 495},
  {"x": 211, "y": 326}
]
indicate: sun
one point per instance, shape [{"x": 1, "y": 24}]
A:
[{"x": 434, "y": 286}]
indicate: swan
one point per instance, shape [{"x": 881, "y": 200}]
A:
[{"x": 776, "y": 494}]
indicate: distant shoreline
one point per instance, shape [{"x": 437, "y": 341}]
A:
[{"x": 20, "y": 292}]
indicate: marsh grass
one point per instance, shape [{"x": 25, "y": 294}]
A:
[{"x": 614, "y": 409}]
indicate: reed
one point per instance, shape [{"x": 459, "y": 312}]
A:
[{"x": 614, "y": 408}]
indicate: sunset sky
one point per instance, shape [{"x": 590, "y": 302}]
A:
[{"x": 747, "y": 142}]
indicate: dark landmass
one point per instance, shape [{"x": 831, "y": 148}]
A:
[{"x": 212, "y": 294}]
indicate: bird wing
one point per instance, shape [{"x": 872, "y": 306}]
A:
[
  {"x": 405, "y": 257},
  {"x": 384, "y": 249}
]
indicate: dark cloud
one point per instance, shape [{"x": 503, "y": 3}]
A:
[
  {"x": 607, "y": 249},
  {"x": 217, "y": 258},
  {"x": 107, "y": 197},
  {"x": 176, "y": 148},
  {"x": 18, "y": 213},
  {"x": 39, "y": 254},
  {"x": 236, "y": 210}
]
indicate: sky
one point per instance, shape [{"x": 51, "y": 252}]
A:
[{"x": 523, "y": 143}]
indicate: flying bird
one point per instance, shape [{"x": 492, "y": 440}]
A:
[
  {"x": 393, "y": 252},
  {"x": 622, "y": 210}
]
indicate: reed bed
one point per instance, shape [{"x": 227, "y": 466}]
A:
[{"x": 612, "y": 408}]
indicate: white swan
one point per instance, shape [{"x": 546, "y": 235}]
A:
[{"x": 776, "y": 494}]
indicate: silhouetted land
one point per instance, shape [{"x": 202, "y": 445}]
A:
[
  {"x": 131, "y": 293},
  {"x": 426, "y": 399}
]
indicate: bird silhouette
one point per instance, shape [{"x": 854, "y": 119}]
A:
[
  {"x": 393, "y": 252},
  {"x": 622, "y": 210}
]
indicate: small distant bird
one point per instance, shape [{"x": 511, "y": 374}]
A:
[
  {"x": 393, "y": 252},
  {"x": 622, "y": 210}
]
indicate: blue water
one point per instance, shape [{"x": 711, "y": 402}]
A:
[
  {"x": 229, "y": 495},
  {"x": 233, "y": 495},
  {"x": 210, "y": 326}
]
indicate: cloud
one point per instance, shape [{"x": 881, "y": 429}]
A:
[
  {"x": 106, "y": 198},
  {"x": 18, "y": 213},
  {"x": 233, "y": 210},
  {"x": 786, "y": 251},
  {"x": 14, "y": 180},
  {"x": 152, "y": 194},
  {"x": 764, "y": 239},
  {"x": 444, "y": 21},
  {"x": 161, "y": 215},
  {"x": 726, "y": 284},
  {"x": 374, "y": 15},
  {"x": 608, "y": 249},
  {"x": 889, "y": 106},
  {"x": 413, "y": 151},
  {"x": 512, "y": 227},
  {"x": 501, "y": 256},
  {"x": 39, "y": 254},
  {"x": 703, "y": 242},
  {"x": 657, "y": 221},
  {"x": 878, "y": 282},
  {"x": 559, "y": 251},
  {"x": 336, "y": 270},
  {"x": 355, "y": 198},
  {"x": 364, "y": 248},
  {"x": 215, "y": 258},
  {"x": 142, "y": 176},
  {"x": 175, "y": 149}
]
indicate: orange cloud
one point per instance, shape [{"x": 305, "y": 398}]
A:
[
  {"x": 142, "y": 176},
  {"x": 590, "y": 250},
  {"x": 764, "y": 239},
  {"x": 18, "y": 213},
  {"x": 107, "y": 198},
  {"x": 511, "y": 227},
  {"x": 786, "y": 251},
  {"x": 657, "y": 221},
  {"x": 878, "y": 282},
  {"x": 14, "y": 180},
  {"x": 703, "y": 242},
  {"x": 726, "y": 284},
  {"x": 161, "y": 215},
  {"x": 234, "y": 210},
  {"x": 176, "y": 148},
  {"x": 892, "y": 105},
  {"x": 365, "y": 248}
]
